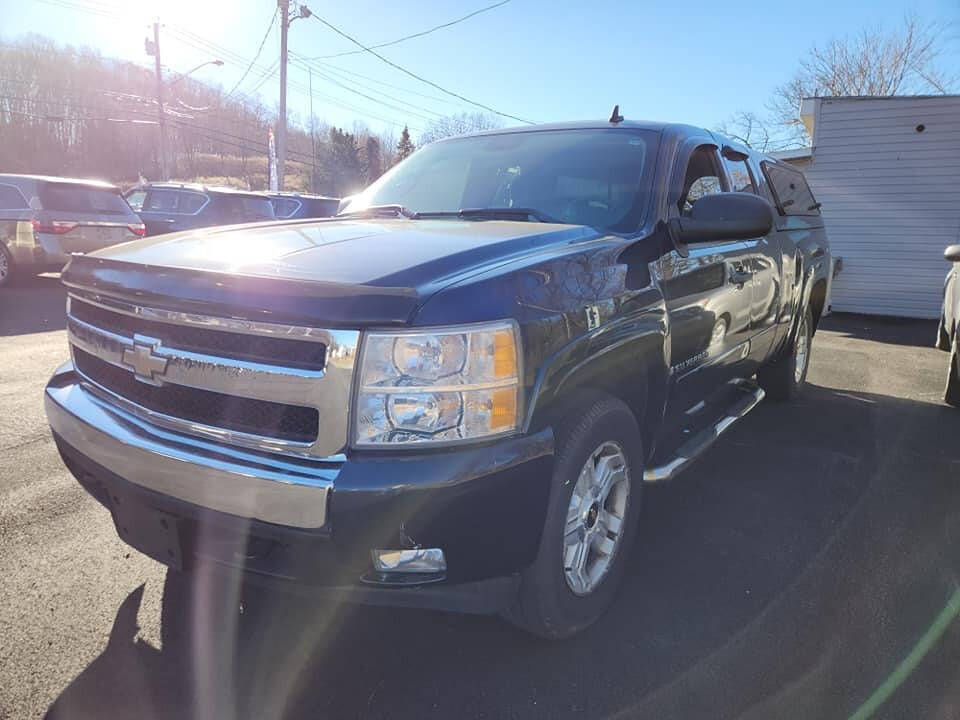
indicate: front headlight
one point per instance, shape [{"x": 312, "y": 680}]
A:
[{"x": 438, "y": 385}]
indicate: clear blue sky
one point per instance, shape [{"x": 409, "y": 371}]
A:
[{"x": 694, "y": 61}]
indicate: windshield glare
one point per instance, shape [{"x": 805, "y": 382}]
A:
[{"x": 597, "y": 177}]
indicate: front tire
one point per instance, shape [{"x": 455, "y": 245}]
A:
[
  {"x": 783, "y": 378},
  {"x": 591, "y": 521}
]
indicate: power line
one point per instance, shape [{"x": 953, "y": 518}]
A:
[
  {"x": 339, "y": 71},
  {"x": 272, "y": 73},
  {"x": 83, "y": 8},
  {"x": 414, "y": 75},
  {"x": 418, "y": 34},
  {"x": 256, "y": 57},
  {"x": 336, "y": 82},
  {"x": 198, "y": 42}
]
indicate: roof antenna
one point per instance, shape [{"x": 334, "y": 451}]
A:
[{"x": 615, "y": 116}]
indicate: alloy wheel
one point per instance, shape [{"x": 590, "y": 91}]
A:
[{"x": 596, "y": 517}]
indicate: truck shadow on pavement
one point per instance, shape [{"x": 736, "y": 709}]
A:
[
  {"x": 33, "y": 304},
  {"x": 784, "y": 575}
]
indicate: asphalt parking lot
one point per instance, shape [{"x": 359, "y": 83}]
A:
[{"x": 807, "y": 567}]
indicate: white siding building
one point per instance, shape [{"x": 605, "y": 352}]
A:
[{"x": 887, "y": 171}]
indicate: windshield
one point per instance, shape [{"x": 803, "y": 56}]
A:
[{"x": 599, "y": 178}]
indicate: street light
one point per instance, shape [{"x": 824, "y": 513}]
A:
[{"x": 218, "y": 63}]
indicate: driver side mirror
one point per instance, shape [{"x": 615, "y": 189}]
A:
[
  {"x": 723, "y": 216},
  {"x": 952, "y": 253}
]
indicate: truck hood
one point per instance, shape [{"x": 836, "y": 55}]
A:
[{"x": 344, "y": 272}]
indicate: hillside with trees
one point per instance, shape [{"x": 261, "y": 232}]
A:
[{"x": 69, "y": 111}]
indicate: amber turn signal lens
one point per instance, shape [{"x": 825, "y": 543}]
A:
[
  {"x": 503, "y": 414},
  {"x": 504, "y": 355}
]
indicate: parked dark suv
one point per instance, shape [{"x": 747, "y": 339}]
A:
[
  {"x": 454, "y": 394},
  {"x": 45, "y": 219},
  {"x": 292, "y": 205},
  {"x": 169, "y": 207}
]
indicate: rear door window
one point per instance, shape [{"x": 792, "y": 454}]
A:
[
  {"x": 790, "y": 190},
  {"x": 135, "y": 199},
  {"x": 75, "y": 198},
  {"x": 161, "y": 201},
  {"x": 245, "y": 207},
  {"x": 191, "y": 202},
  {"x": 284, "y": 207},
  {"x": 12, "y": 199}
]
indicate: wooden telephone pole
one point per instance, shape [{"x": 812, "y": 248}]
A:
[{"x": 282, "y": 123}]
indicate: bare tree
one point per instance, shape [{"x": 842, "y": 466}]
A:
[
  {"x": 875, "y": 62},
  {"x": 750, "y": 129},
  {"x": 458, "y": 125}
]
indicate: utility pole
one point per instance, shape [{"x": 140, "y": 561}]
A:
[
  {"x": 313, "y": 136},
  {"x": 282, "y": 124},
  {"x": 160, "y": 116}
]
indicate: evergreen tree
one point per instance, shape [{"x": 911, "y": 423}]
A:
[
  {"x": 405, "y": 147},
  {"x": 372, "y": 160},
  {"x": 345, "y": 167}
]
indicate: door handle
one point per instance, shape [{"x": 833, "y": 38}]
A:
[{"x": 739, "y": 276}]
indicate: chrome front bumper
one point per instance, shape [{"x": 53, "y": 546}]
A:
[{"x": 286, "y": 491}]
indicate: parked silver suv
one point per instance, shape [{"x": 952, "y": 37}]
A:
[{"x": 43, "y": 220}]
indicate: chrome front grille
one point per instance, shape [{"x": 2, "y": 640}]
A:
[
  {"x": 259, "y": 385},
  {"x": 270, "y": 350}
]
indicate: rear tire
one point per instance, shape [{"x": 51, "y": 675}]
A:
[
  {"x": 783, "y": 378},
  {"x": 591, "y": 521},
  {"x": 951, "y": 395}
]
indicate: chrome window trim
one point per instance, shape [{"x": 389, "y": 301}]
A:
[
  {"x": 26, "y": 203},
  {"x": 328, "y": 390}
]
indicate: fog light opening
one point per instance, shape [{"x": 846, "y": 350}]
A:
[{"x": 421, "y": 560}]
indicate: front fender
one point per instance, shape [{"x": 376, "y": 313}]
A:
[{"x": 626, "y": 358}]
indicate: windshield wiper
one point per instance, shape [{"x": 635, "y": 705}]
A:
[
  {"x": 380, "y": 211},
  {"x": 511, "y": 213},
  {"x": 493, "y": 213}
]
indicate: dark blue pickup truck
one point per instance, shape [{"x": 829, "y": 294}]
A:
[{"x": 453, "y": 394}]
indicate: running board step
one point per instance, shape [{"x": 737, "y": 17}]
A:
[{"x": 695, "y": 447}]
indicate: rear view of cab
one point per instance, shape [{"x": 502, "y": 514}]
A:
[{"x": 44, "y": 220}]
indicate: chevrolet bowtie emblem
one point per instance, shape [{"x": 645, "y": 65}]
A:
[{"x": 147, "y": 366}]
